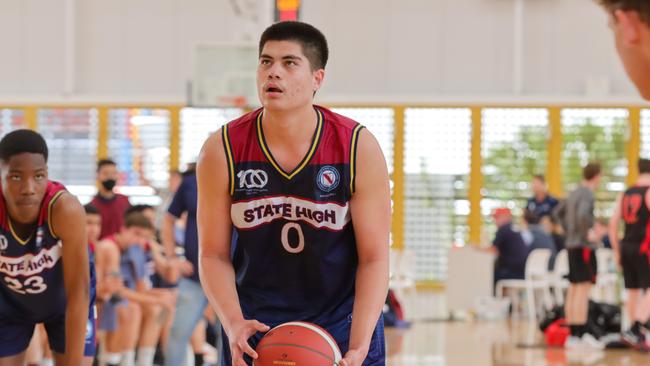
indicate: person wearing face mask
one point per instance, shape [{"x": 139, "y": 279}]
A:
[{"x": 111, "y": 205}]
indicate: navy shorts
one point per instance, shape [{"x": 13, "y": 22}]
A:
[
  {"x": 341, "y": 333},
  {"x": 16, "y": 329},
  {"x": 15, "y": 334}
]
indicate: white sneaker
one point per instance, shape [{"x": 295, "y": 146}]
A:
[
  {"x": 590, "y": 341},
  {"x": 573, "y": 342}
]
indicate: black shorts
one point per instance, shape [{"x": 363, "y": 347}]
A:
[
  {"x": 582, "y": 265},
  {"x": 636, "y": 266}
]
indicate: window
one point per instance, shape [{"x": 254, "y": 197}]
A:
[
  {"x": 437, "y": 165},
  {"x": 138, "y": 141},
  {"x": 197, "y": 124},
  {"x": 380, "y": 122},
  {"x": 645, "y": 133},
  {"x": 513, "y": 149},
  {"x": 71, "y": 136},
  {"x": 11, "y": 119},
  {"x": 595, "y": 135}
]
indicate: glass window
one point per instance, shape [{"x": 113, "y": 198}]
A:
[
  {"x": 513, "y": 149},
  {"x": 71, "y": 136},
  {"x": 437, "y": 165},
  {"x": 196, "y": 125},
  {"x": 595, "y": 135}
]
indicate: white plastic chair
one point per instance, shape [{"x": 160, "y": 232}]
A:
[
  {"x": 607, "y": 279},
  {"x": 559, "y": 281},
  {"x": 402, "y": 271},
  {"x": 536, "y": 278}
]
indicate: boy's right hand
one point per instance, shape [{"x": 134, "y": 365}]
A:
[{"x": 238, "y": 338}]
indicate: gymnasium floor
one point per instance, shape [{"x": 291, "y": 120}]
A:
[{"x": 434, "y": 342}]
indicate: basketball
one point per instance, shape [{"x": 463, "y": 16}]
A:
[{"x": 297, "y": 344}]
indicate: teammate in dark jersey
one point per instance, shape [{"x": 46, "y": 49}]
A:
[
  {"x": 633, "y": 252},
  {"x": 285, "y": 184},
  {"x": 44, "y": 261}
]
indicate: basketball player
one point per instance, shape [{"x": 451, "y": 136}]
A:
[
  {"x": 44, "y": 261},
  {"x": 633, "y": 206},
  {"x": 286, "y": 183},
  {"x": 577, "y": 215}
]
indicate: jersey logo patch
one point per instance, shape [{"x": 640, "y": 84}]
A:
[
  {"x": 328, "y": 178},
  {"x": 252, "y": 178}
]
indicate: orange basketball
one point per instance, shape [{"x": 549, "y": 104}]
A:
[{"x": 297, "y": 344}]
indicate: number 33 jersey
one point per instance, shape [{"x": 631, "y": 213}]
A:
[
  {"x": 31, "y": 270},
  {"x": 294, "y": 249}
]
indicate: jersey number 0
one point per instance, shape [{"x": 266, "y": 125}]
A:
[{"x": 296, "y": 247}]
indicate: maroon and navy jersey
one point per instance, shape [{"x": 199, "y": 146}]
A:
[
  {"x": 294, "y": 249},
  {"x": 31, "y": 269},
  {"x": 636, "y": 215}
]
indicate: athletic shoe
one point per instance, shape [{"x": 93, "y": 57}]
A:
[
  {"x": 589, "y": 341},
  {"x": 573, "y": 342},
  {"x": 638, "y": 342}
]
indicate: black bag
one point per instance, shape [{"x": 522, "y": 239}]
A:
[
  {"x": 604, "y": 319},
  {"x": 550, "y": 316}
]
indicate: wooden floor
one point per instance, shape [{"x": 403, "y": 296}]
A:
[
  {"x": 434, "y": 342},
  {"x": 489, "y": 344}
]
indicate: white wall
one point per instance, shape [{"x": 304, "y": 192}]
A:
[
  {"x": 383, "y": 48},
  {"x": 465, "y": 47}
]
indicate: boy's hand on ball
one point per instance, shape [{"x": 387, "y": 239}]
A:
[
  {"x": 239, "y": 340},
  {"x": 354, "y": 357}
]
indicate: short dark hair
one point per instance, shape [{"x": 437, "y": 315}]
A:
[
  {"x": 531, "y": 217},
  {"x": 312, "y": 41},
  {"x": 591, "y": 170},
  {"x": 540, "y": 178},
  {"x": 91, "y": 210},
  {"x": 137, "y": 219},
  {"x": 139, "y": 208},
  {"x": 22, "y": 141},
  {"x": 644, "y": 165},
  {"x": 640, "y": 6},
  {"x": 103, "y": 162}
]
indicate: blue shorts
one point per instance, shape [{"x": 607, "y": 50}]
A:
[
  {"x": 341, "y": 333},
  {"x": 108, "y": 315}
]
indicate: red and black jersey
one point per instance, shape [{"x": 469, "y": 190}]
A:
[
  {"x": 636, "y": 215},
  {"x": 294, "y": 252}
]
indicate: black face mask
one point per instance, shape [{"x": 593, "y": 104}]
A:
[{"x": 109, "y": 184}]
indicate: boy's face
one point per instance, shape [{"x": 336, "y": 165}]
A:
[
  {"x": 632, "y": 38},
  {"x": 285, "y": 79},
  {"x": 24, "y": 181},
  {"x": 93, "y": 227},
  {"x": 538, "y": 186},
  {"x": 135, "y": 235}
]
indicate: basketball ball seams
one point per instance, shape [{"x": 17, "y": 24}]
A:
[
  {"x": 328, "y": 357},
  {"x": 306, "y": 344},
  {"x": 320, "y": 331}
]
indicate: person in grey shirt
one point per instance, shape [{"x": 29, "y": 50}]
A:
[{"x": 576, "y": 214}]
